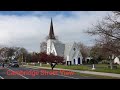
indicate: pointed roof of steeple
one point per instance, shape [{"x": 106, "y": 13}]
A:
[{"x": 51, "y": 32}]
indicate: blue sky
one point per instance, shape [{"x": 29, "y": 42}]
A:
[
  {"x": 29, "y": 28},
  {"x": 46, "y": 13}
]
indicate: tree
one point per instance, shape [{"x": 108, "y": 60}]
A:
[
  {"x": 3, "y": 53},
  {"x": 43, "y": 57},
  {"x": 13, "y": 53},
  {"x": 22, "y": 54},
  {"x": 43, "y": 47},
  {"x": 34, "y": 58},
  {"x": 85, "y": 50},
  {"x": 98, "y": 52},
  {"x": 10, "y": 53},
  {"x": 7, "y": 53},
  {"x": 59, "y": 59},
  {"x": 53, "y": 58},
  {"x": 108, "y": 31},
  {"x": 29, "y": 58}
]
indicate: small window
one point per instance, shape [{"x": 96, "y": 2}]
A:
[{"x": 74, "y": 49}]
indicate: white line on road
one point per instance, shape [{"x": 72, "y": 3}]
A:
[
  {"x": 18, "y": 73},
  {"x": 1, "y": 77}
]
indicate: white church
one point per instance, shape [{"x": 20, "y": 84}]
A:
[{"x": 70, "y": 52}]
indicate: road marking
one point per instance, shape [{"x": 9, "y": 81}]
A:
[
  {"x": 18, "y": 73},
  {"x": 1, "y": 77},
  {"x": 57, "y": 74}
]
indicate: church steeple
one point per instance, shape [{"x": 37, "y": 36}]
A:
[{"x": 51, "y": 32}]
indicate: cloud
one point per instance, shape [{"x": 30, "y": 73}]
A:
[{"x": 29, "y": 30}]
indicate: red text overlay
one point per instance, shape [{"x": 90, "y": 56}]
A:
[{"x": 40, "y": 72}]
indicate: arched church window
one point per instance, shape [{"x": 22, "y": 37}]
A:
[{"x": 74, "y": 49}]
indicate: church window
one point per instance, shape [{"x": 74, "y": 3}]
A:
[{"x": 74, "y": 49}]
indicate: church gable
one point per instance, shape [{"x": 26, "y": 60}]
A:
[
  {"x": 73, "y": 50},
  {"x": 76, "y": 50},
  {"x": 53, "y": 50}
]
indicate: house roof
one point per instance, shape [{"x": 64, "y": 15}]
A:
[{"x": 59, "y": 48}]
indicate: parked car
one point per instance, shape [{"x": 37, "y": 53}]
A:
[{"x": 14, "y": 64}]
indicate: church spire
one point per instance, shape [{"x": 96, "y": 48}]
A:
[{"x": 51, "y": 32}]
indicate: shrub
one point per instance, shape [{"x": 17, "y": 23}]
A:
[
  {"x": 93, "y": 61},
  {"x": 44, "y": 58},
  {"x": 34, "y": 58}
]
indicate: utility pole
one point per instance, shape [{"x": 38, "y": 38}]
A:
[
  {"x": 25, "y": 60},
  {"x": 22, "y": 59},
  {"x": 111, "y": 60}
]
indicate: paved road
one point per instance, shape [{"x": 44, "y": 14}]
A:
[{"x": 29, "y": 73}]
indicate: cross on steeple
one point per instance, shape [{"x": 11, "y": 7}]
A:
[{"x": 51, "y": 32}]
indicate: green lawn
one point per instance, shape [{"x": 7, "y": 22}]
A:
[{"x": 99, "y": 67}]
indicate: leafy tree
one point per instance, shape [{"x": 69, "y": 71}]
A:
[
  {"x": 59, "y": 59},
  {"x": 43, "y": 57},
  {"x": 34, "y": 58}
]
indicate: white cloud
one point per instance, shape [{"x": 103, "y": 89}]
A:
[{"x": 28, "y": 31}]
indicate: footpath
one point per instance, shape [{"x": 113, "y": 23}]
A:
[{"x": 79, "y": 71}]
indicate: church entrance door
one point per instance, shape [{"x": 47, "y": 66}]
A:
[
  {"x": 74, "y": 61},
  {"x": 78, "y": 60}
]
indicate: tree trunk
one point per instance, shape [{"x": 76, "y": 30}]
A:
[{"x": 111, "y": 66}]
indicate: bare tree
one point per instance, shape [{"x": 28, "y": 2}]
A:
[
  {"x": 108, "y": 31},
  {"x": 43, "y": 47},
  {"x": 85, "y": 50}
]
